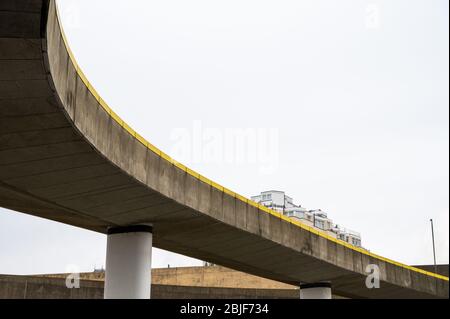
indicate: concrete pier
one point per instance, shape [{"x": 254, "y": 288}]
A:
[
  {"x": 319, "y": 290},
  {"x": 128, "y": 262}
]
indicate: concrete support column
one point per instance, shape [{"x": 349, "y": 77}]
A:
[
  {"x": 318, "y": 290},
  {"x": 128, "y": 262}
]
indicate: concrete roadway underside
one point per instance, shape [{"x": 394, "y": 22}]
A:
[{"x": 66, "y": 158}]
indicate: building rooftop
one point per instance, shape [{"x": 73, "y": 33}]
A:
[{"x": 317, "y": 218}]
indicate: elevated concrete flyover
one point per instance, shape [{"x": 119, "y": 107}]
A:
[{"x": 66, "y": 156}]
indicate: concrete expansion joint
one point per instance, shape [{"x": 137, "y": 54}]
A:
[{"x": 130, "y": 229}]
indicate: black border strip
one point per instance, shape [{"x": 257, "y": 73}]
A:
[
  {"x": 316, "y": 285},
  {"x": 44, "y": 18},
  {"x": 130, "y": 229}
]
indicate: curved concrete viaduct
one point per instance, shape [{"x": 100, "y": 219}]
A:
[{"x": 66, "y": 156}]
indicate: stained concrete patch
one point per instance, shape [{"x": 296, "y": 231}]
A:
[{"x": 191, "y": 191}]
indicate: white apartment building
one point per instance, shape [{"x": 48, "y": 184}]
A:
[
  {"x": 278, "y": 201},
  {"x": 348, "y": 235}
]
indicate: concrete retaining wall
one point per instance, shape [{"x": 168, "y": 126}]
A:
[{"x": 34, "y": 287}]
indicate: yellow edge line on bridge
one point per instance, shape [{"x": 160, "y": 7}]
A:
[{"x": 219, "y": 187}]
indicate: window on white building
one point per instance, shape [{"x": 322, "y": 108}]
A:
[
  {"x": 356, "y": 242},
  {"x": 319, "y": 224}
]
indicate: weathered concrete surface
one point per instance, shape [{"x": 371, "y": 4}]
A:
[
  {"x": 441, "y": 269},
  {"x": 215, "y": 276},
  {"x": 35, "y": 287},
  {"x": 66, "y": 158}
]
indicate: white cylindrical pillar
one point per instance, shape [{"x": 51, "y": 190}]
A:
[
  {"x": 318, "y": 290},
  {"x": 128, "y": 262}
]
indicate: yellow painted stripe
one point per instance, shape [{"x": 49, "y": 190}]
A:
[
  {"x": 274, "y": 213},
  {"x": 286, "y": 219},
  {"x": 105, "y": 106},
  {"x": 116, "y": 117},
  {"x": 94, "y": 92},
  {"x": 217, "y": 186},
  {"x": 329, "y": 237},
  {"x": 157, "y": 151},
  {"x": 153, "y": 148},
  {"x": 229, "y": 192},
  {"x": 298, "y": 224},
  {"x": 83, "y": 78},
  {"x": 263, "y": 208},
  {"x": 166, "y": 157},
  {"x": 204, "y": 179},
  {"x": 180, "y": 166},
  {"x": 128, "y": 128},
  {"x": 252, "y": 203},
  {"x": 313, "y": 230},
  {"x": 141, "y": 139},
  {"x": 192, "y": 173},
  {"x": 241, "y": 198},
  {"x": 269, "y": 211}
]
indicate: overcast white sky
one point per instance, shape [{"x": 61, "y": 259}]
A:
[{"x": 356, "y": 92}]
